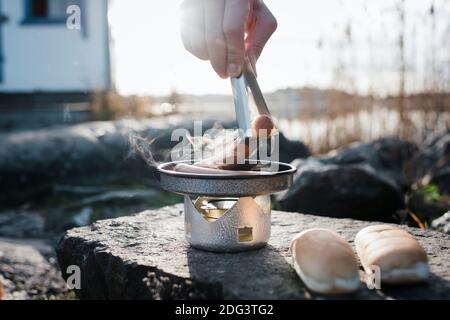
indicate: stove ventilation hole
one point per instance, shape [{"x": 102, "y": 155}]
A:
[
  {"x": 212, "y": 209},
  {"x": 245, "y": 234}
]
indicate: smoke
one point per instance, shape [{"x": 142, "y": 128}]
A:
[
  {"x": 212, "y": 148},
  {"x": 142, "y": 146}
]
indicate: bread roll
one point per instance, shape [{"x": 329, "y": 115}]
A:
[
  {"x": 399, "y": 256},
  {"x": 325, "y": 262}
]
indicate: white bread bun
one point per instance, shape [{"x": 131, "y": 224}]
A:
[
  {"x": 399, "y": 256},
  {"x": 325, "y": 262}
]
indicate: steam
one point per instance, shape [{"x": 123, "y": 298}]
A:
[
  {"x": 209, "y": 148},
  {"x": 212, "y": 149},
  {"x": 142, "y": 146}
]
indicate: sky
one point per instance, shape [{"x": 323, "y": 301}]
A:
[{"x": 149, "y": 57}]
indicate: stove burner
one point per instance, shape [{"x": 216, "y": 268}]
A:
[{"x": 226, "y": 213}]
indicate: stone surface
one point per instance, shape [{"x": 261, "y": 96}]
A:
[
  {"x": 344, "y": 191},
  {"x": 442, "y": 223},
  {"x": 28, "y": 271},
  {"x": 146, "y": 257}
]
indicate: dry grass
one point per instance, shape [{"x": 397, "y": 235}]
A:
[
  {"x": 112, "y": 106},
  {"x": 348, "y": 118}
]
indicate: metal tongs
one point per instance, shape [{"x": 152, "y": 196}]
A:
[
  {"x": 242, "y": 86},
  {"x": 246, "y": 144}
]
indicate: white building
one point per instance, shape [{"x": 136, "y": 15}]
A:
[{"x": 41, "y": 58}]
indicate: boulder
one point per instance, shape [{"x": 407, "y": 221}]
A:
[
  {"x": 27, "y": 273},
  {"x": 31, "y": 162},
  {"x": 362, "y": 181},
  {"x": 437, "y": 162},
  {"x": 291, "y": 150},
  {"x": 392, "y": 157},
  {"x": 21, "y": 225},
  {"x": 344, "y": 191},
  {"x": 146, "y": 257}
]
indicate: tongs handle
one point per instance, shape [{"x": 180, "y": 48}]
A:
[
  {"x": 241, "y": 106},
  {"x": 241, "y": 86},
  {"x": 252, "y": 84}
]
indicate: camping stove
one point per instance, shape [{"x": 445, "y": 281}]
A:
[{"x": 226, "y": 213}]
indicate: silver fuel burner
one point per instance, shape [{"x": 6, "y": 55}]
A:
[{"x": 226, "y": 213}]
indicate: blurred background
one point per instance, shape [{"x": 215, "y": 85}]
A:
[
  {"x": 330, "y": 69},
  {"x": 360, "y": 91}
]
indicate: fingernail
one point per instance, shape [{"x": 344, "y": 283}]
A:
[{"x": 233, "y": 70}]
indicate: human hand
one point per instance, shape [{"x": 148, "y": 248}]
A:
[{"x": 225, "y": 31}]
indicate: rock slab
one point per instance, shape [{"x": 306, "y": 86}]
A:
[
  {"x": 28, "y": 271},
  {"x": 145, "y": 256}
]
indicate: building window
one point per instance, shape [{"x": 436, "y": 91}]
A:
[
  {"x": 39, "y": 8},
  {"x": 47, "y": 11}
]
